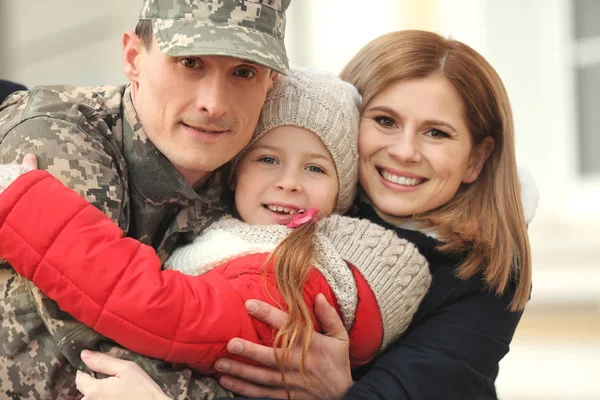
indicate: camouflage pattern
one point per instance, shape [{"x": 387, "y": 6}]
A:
[
  {"x": 92, "y": 140},
  {"x": 249, "y": 29}
]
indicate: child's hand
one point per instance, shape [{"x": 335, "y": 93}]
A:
[
  {"x": 127, "y": 380},
  {"x": 10, "y": 172}
]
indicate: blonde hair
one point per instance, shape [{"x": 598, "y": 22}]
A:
[
  {"x": 292, "y": 263},
  {"x": 485, "y": 219}
]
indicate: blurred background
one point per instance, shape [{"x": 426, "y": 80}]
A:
[{"x": 548, "y": 55}]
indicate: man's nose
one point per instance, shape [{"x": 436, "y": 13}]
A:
[{"x": 213, "y": 98}]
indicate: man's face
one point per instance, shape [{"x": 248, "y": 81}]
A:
[{"x": 198, "y": 111}]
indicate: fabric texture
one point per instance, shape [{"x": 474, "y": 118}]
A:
[
  {"x": 396, "y": 272},
  {"x": 324, "y": 104},
  {"x": 161, "y": 313},
  {"x": 140, "y": 293},
  {"x": 10, "y": 172},
  {"x": 7, "y": 88},
  {"x": 91, "y": 139},
  {"x": 246, "y": 29},
  {"x": 456, "y": 339}
]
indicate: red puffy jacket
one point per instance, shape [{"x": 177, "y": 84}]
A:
[{"x": 115, "y": 285}]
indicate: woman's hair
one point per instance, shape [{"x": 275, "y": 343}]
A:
[{"x": 485, "y": 219}]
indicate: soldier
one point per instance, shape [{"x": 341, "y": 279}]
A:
[{"x": 147, "y": 154}]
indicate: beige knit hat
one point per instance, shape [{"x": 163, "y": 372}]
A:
[{"x": 323, "y": 104}]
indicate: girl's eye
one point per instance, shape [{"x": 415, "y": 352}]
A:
[
  {"x": 314, "y": 168},
  {"x": 190, "y": 62},
  {"x": 385, "y": 122},
  {"x": 437, "y": 134},
  {"x": 268, "y": 160},
  {"x": 245, "y": 73}
]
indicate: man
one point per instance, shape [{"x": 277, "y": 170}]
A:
[{"x": 148, "y": 155}]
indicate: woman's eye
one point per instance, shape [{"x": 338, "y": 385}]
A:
[
  {"x": 245, "y": 73},
  {"x": 436, "y": 133},
  {"x": 267, "y": 160},
  {"x": 314, "y": 168},
  {"x": 190, "y": 62},
  {"x": 385, "y": 122}
]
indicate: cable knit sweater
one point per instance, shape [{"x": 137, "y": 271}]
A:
[{"x": 116, "y": 284}]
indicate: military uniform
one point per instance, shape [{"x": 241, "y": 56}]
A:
[{"x": 92, "y": 140}]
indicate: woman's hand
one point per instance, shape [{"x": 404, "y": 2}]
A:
[
  {"x": 327, "y": 369},
  {"x": 127, "y": 380}
]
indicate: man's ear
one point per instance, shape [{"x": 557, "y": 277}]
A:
[
  {"x": 132, "y": 49},
  {"x": 479, "y": 156},
  {"x": 274, "y": 76}
]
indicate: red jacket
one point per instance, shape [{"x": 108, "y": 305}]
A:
[{"x": 116, "y": 285}]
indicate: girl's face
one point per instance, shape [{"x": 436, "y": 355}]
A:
[
  {"x": 415, "y": 148},
  {"x": 287, "y": 170}
]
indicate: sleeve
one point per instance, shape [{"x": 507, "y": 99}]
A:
[
  {"x": 75, "y": 154},
  {"x": 112, "y": 284},
  {"x": 451, "y": 353}
]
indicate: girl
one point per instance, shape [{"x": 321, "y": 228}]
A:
[{"x": 300, "y": 166}]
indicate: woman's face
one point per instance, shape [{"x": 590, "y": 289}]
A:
[{"x": 415, "y": 147}]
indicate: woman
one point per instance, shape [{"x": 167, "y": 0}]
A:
[{"x": 437, "y": 163}]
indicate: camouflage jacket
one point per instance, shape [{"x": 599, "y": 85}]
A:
[{"x": 92, "y": 140}]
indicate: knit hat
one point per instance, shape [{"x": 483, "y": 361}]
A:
[{"x": 325, "y": 105}]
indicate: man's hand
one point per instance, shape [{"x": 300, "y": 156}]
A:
[
  {"x": 327, "y": 369},
  {"x": 127, "y": 380},
  {"x": 10, "y": 172}
]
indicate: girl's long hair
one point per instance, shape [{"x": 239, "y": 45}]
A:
[
  {"x": 292, "y": 263},
  {"x": 485, "y": 219}
]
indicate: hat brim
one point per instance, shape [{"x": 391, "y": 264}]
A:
[{"x": 184, "y": 37}]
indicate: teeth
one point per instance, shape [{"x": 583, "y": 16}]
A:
[
  {"x": 400, "y": 180},
  {"x": 282, "y": 209}
]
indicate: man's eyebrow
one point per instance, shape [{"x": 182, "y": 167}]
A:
[{"x": 244, "y": 61}]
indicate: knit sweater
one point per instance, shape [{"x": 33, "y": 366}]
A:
[
  {"x": 116, "y": 286},
  {"x": 396, "y": 273}
]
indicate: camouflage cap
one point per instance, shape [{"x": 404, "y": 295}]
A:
[{"x": 248, "y": 29}]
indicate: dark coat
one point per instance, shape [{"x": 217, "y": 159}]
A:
[
  {"x": 7, "y": 87},
  {"x": 453, "y": 346}
]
